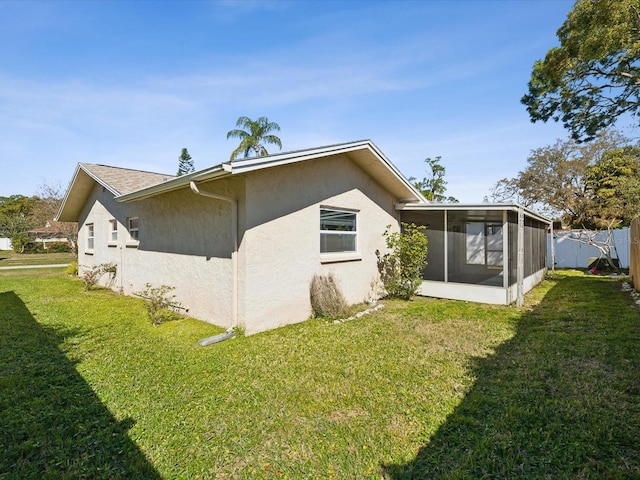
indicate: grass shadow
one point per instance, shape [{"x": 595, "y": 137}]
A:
[
  {"x": 561, "y": 399},
  {"x": 52, "y": 425}
]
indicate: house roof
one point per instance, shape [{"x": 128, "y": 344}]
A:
[
  {"x": 49, "y": 228},
  {"x": 364, "y": 153},
  {"x": 119, "y": 181},
  {"x": 132, "y": 185}
]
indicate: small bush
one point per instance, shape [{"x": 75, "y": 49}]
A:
[
  {"x": 91, "y": 275},
  {"x": 401, "y": 268},
  {"x": 19, "y": 242},
  {"x": 161, "y": 307},
  {"x": 72, "y": 269},
  {"x": 326, "y": 296}
]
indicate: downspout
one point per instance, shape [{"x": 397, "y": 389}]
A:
[{"x": 234, "y": 253}]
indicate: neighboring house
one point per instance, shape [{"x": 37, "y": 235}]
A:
[
  {"x": 51, "y": 233},
  {"x": 240, "y": 241}
]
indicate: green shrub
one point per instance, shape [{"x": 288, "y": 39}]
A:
[
  {"x": 58, "y": 247},
  {"x": 161, "y": 306},
  {"x": 401, "y": 269},
  {"x": 72, "y": 269},
  {"x": 326, "y": 297},
  {"x": 19, "y": 242},
  {"x": 92, "y": 274}
]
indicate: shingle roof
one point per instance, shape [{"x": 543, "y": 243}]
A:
[
  {"x": 125, "y": 180},
  {"x": 132, "y": 185}
]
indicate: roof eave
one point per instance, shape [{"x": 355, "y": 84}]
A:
[
  {"x": 68, "y": 212},
  {"x": 407, "y": 194},
  {"x": 182, "y": 181}
]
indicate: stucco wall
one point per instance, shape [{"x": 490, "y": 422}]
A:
[
  {"x": 280, "y": 249},
  {"x": 184, "y": 242}
]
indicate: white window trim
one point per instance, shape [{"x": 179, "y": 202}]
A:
[
  {"x": 113, "y": 232},
  {"x": 478, "y": 248},
  {"x": 91, "y": 237},
  {"x": 335, "y": 257},
  {"x": 489, "y": 249}
]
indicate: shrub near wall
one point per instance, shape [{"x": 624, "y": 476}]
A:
[{"x": 634, "y": 260}]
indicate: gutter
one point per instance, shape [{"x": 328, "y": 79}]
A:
[{"x": 234, "y": 253}]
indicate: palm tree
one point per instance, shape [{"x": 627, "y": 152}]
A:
[{"x": 253, "y": 136}]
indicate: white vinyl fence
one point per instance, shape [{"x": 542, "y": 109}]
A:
[
  {"x": 5, "y": 243},
  {"x": 573, "y": 254}
]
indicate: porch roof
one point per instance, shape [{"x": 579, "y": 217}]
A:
[{"x": 477, "y": 208}]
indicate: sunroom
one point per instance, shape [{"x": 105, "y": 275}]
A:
[{"x": 489, "y": 253}]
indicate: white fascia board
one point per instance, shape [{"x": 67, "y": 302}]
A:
[
  {"x": 257, "y": 163},
  {"x": 66, "y": 195},
  {"x": 176, "y": 183},
  {"x": 74, "y": 181},
  {"x": 420, "y": 198},
  {"x": 97, "y": 179}
]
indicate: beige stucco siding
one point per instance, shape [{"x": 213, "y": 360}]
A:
[
  {"x": 281, "y": 243},
  {"x": 184, "y": 242}
]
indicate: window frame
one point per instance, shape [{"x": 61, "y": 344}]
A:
[
  {"x": 133, "y": 237},
  {"x": 113, "y": 231},
  {"x": 345, "y": 255},
  {"x": 490, "y": 251},
  {"x": 91, "y": 236},
  {"x": 478, "y": 244}
]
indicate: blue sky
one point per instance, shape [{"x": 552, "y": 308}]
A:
[{"x": 131, "y": 83}]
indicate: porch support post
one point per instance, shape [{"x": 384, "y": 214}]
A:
[
  {"x": 520, "y": 266},
  {"x": 446, "y": 246},
  {"x": 505, "y": 255},
  {"x": 553, "y": 250}
]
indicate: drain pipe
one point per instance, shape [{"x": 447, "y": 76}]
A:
[{"x": 234, "y": 253}]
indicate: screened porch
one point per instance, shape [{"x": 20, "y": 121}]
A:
[{"x": 489, "y": 253}]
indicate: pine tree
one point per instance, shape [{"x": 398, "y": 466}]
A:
[{"x": 185, "y": 163}]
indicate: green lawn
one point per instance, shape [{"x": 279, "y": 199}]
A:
[
  {"x": 8, "y": 258},
  {"x": 429, "y": 389}
]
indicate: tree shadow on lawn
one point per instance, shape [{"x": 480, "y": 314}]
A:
[
  {"x": 52, "y": 425},
  {"x": 561, "y": 399}
]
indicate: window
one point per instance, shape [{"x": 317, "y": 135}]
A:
[
  {"x": 338, "y": 230},
  {"x": 484, "y": 244},
  {"x": 475, "y": 243},
  {"x": 133, "y": 226},
  {"x": 90, "y": 236},
  {"x": 114, "y": 231},
  {"x": 494, "y": 244}
]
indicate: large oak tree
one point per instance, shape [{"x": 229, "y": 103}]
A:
[
  {"x": 586, "y": 185},
  {"x": 593, "y": 77}
]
